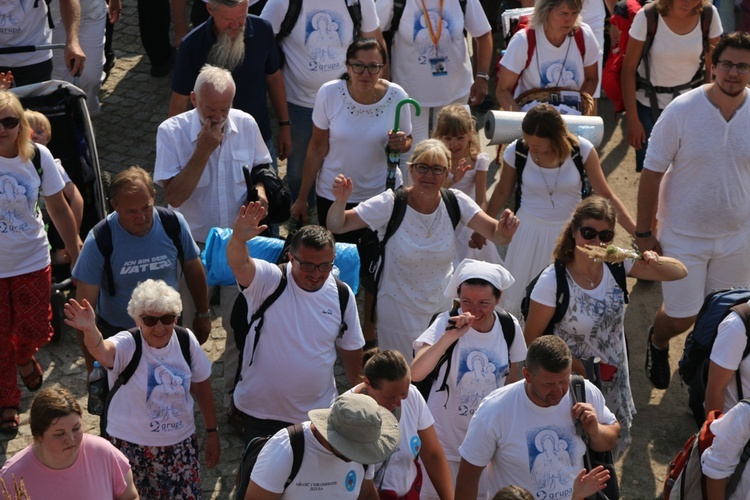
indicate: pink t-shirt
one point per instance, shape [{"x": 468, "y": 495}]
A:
[{"x": 99, "y": 472}]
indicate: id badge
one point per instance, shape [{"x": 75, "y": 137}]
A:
[{"x": 438, "y": 66}]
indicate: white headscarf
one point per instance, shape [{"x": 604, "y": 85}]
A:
[{"x": 495, "y": 274}]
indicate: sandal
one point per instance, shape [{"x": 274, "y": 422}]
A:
[
  {"x": 33, "y": 381},
  {"x": 9, "y": 425}
]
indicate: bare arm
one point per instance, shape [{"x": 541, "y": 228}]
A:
[
  {"x": 514, "y": 375},
  {"x": 88, "y": 292},
  {"x": 506, "y": 83},
  {"x": 648, "y": 196},
  {"x": 75, "y": 200},
  {"x": 178, "y": 103},
  {"x": 316, "y": 152},
  {"x": 179, "y": 21},
  {"x": 277, "y": 95},
  {"x": 590, "y": 79},
  {"x": 716, "y": 489},
  {"x": 635, "y": 132},
  {"x": 352, "y": 361},
  {"x": 82, "y": 317},
  {"x": 204, "y": 396},
  {"x": 130, "y": 492},
  {"x": 503, "y": 189},
  {"x": 339, "y": 219},
  {"x": 70, "y": 12},
  {"x": 428, "y": 356},
  {"x": 484, "y": 59},
  {"x": 652, "y": 267},
  {"x": 181, "y": 186},
  {"x": 467, "y": 481},
  {"x": 255, "y": 492},
  {"x": 62, "y": 216},
  {"x": 602, "y": 437},
  {"x": 718, "y": 380},
  {"x": 539, "y": 317},
  {"x": 480, "y": 185},
  {"x": 195, "y": 278},
  {"x": 435, "y": 464},
  {"x": 498, "y": 231},
  {"x": 599, "y": 183},
  {"x": 245, "y": 228},
  {"x": 368, "y": 490}
]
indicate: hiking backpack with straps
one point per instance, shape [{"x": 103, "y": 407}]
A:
[
  {"x": 695, "y": 360},
  {"x": 685, "y": 478},
  {"x": 103, "y": 238},
  {"x": 241, "y": 326},
  {"x": 183, "y": 337},
  {"x": 698, "y": 78},
  {"x": 522, "y": 155},
  {"x": 562, "y": 294},
  {"x": 253, "y": 449},
  {"x": 508, "y": 327}
]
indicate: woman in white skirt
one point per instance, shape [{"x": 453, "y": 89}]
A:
[{"x": 551, "y": 188}]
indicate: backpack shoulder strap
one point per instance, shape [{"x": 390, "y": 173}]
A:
[
  {"x": 343, "y": 292},
  {"x": 734, "y": 479},
  {"x": 445, "y": 358},
  {"x": 290, "y": 19},
  {"x": 103, "y": 238},
  {"x": 398, "y": 11},
  {"x": 707, "y": 16},
  {"x": 355, "y": 12},
  {"x": 36, "y": 160},
  {"x": 172, "y": 227},
  {"x": 575, "y": 154},
  {"x": 580, "y": 42},
  {"x": 651, "y": 23},
  {"x": 297, "y": 441},
  {"x": 531, "y": 46},
  {"x": 562, "y": 296},
  {"x": 521, "y": 156},
  {"x": 260, "y": 312},
  {"x": 397, "y": 216},
  {"x": 133, "y": 364},
  {"x": 184, "y": 338},
  {"x": 743, "y": 311},
  {"x": 618, "y": 272},
  {"x": 509, "y": 329},
  {"x": 451, "y": 204}
]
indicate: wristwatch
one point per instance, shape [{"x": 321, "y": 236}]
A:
[
  {"x": 482, "y": 74},
  {"x": 203, "y": 315},
  {"x": 645, "y": 234}
]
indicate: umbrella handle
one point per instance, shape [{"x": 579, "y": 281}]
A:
[{"x": 417, "y": 107}]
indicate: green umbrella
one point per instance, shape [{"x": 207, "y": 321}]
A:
[{"x": 393, "y": 157}]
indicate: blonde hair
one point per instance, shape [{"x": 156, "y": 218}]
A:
[
  {"x": 455, "y": 120},
  {"x": 430, "y": 147},
  {"x": 38, "y": 120},
  {"x": 23, "y": 140}
]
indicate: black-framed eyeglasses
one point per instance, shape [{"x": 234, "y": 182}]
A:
[
  {"x": 423, "y": 168},
  {"x": 727, "y": 66},
  {"x": 359, "y": 68},
  {"x": 167, "y": 319},
  {"x": 10, "y": 122},
  {"x": 309, "y": 267},
  {"x": 589, "y": 233}
]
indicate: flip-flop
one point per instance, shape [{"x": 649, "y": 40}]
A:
[
  {"x": 9, "y": 425},
  {"x": 33, "y": 381}
]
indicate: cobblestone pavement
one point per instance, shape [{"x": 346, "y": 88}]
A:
[{"x": 133, "y": 106}]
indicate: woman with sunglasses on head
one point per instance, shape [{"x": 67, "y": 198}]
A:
[
  {"x": 418, "y": 262},
  {"x": 150, "y": 418},
  {"x": 25, "y": 271},
  {"x": 550, "y": 188},
  {"x": 593, "y": 324},
  {"x": 352, "y": 119}
]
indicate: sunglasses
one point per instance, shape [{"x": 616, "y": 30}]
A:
[
  {"x": 589, "y": 233},
  {"x": 423, "y": 168},
  {"x": 167, "y": 319},
  {"x": 9, "y": 122},
  {"x": 309, "y": 267}
]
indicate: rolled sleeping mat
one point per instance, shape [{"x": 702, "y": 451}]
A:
[{"x": 504, "y": 127}]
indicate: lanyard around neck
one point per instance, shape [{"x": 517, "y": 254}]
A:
[{"x": 434, "y": 36}]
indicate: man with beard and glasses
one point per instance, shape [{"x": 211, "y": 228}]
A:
[
  {"x": 697, "y": 171},
  {"x": 244, "y": 45},
  {"x": 199, "y": 159}
]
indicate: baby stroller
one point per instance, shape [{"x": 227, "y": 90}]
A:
[{"x": 74, "y": 144}]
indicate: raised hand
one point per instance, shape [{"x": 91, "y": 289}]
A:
[
  {"x": 246, "y": 224},
  {"x": 342, "y": 187},
  {"x": 80, "y": 316}
]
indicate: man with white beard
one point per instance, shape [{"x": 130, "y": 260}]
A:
[{"x": 245, "y": 45}]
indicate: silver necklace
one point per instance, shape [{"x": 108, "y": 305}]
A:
[
  {"x": 565, "y": 59},
  {"x": 591, "y": 281},
  {"x": 429, "y": 229},
  {"x": 550, "y": 192}
]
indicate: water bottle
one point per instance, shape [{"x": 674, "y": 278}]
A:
[{"x": 97, "y": 389}]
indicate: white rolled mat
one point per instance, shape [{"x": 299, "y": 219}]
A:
[{"x": 504, "y": 127}]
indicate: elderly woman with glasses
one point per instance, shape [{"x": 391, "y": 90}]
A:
[
  {"x": 593, "y": 325},
  {"x": 150, "y": 418},
  {"x": 418, "y": 262},
  {"x": 26, "y": 174}
]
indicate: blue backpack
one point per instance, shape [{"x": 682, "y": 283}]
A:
[{"x": 695, "y": 360}]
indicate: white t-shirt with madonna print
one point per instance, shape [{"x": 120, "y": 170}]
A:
[
  {"x": 550, "y": 66},
  {"x": 155, "y": 407},
  {"x": 480, "y": 364},
  {"x": 315, "y": 50},
  {"x": 527, "y": 445},
  {"x": 322, "y": 474}
]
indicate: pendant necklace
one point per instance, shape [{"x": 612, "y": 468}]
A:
[
  {"x": 550, "y": 192},
  {"x": 591, "y": 281},
  {"x": 429, "y": 229}
]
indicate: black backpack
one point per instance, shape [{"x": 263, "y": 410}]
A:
[
  {"x": 241, "y": 326},
  {"x": 522, "y": 154},
  {"x": 562, "y": 295},
  {"x": 184, "y": 339},
  {"x": 425, "y": 385},
  {"x": 695, "y": 360},
  {"x": 279, "y": 199},
  {"x": 253, "y": 449},
  {"x": 103, "y": 238}
]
